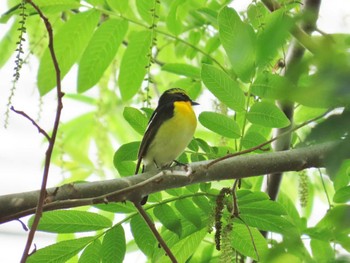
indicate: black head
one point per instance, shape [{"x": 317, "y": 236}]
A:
[{"x": 175, "y": 94}]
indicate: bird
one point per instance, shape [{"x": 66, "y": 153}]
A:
[{"x": 169, "y": 131}]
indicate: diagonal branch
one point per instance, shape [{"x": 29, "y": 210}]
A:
[{"x": 14, "y": 206}]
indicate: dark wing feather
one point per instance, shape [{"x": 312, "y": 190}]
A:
[{"x": 160, "y": 115}]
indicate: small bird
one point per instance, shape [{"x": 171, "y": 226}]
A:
[{"x": 169, "y": 131}]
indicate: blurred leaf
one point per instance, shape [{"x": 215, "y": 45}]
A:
[
  {"x": 342, "y": 195},
  {"x": 143, "y": 235},
  {"x": 239, "y": 41},
  {"x": 137, "y": 120},
  {"x": 220, "y": 124},
  {"x": 71, "y": 221},
  {"x": 134, "y": 63},
  {"x": 92, "y": 253},
  {"x": 114, "y": 245},
  {"x": 167, "y": 216},
  {"x": 8, "y": 43},
  {"x": 223, "y": 87},
  {"x": 256, "y": 14},
  {"x": 100, "y": 52},
  {"x": 267, "y": 114},
  {"x": 342, "y": 177},
  {"x": 273, "y": 35},
  {"x": 322, "y": 251},
  {"x": 124, "y": 158},
  {"x": 333, "y": 128},
  {"x": 173, "y": 20},
  {"x": 182, "y": 69},
  {"x": 144, "y": 9},
  {"x": 70, "y": 42},
  {"x": 271, "y": 86},
  {"x": 121, "y": 5},
  {"x": 60, "y": 252}
]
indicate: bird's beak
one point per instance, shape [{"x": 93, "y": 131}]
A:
[{"x": 193, "y": 103}]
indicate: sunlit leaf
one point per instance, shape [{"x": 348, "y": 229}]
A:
[
  {"x": 134, "y": 63},
  {"x": 113, "y": 245},
  {"x": 267, "y": 114},
  {"x": 239, "y": 41},
  {"x": 71, "y": 221},
  {"x": 223, "y": 87},
  {"x": 124, "y": 158},
  {"x": 143, "y": 236},
  {"x": 220, "y": 124},
  {"x": 167, "y": 216},
  {"x": 60, "y": 252},
  {"x": 100, "y": 52},
  {"x": 70, "y": 42}
]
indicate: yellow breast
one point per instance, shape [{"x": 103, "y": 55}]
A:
[{"x": 173, "y": 136}]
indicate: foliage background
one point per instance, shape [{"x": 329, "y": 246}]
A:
[{"x": 28, "y": 88}]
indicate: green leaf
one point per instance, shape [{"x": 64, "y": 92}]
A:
[
  {"x": 70, "y": 42},
  {"x": 270, "y": 223},
  {"x": 202, "y": 202},
  {"x": 267, "y": 114},
  {"x": 8, "y": 43},
  {"x": 271, "y": 86},
  {"x": 92, "y": 253},
  {"x": 143, "y": 235},
  {"x": 239, "y": 41},
  {"x": 121, "y": 5},
  {"x": 322, "y": 251},
  {"x": 182, "y": 69},
  {"x": 100, "y": 52},
  {"x": 168, "y": 218},
  {"x": 137, "y": 120},
  {"x": 114, "y": 245},
  {"x": 71, "y": 221},
  {"x": 242, "y": 241},
  {"x": 252, "y": 139},
  {"x": 184, "y": 248},
  {"x": 335, "y": 223},
  {"x": 220, "y": 124},
  {"x": 144, "y": 9},
  {"x": 189, "y": 211},
  {"x": 124, "y": 158},
  {"x": 173, "y": 20},
  {"x": 223, "y": 87},
  {"x": 262, "y": 207},
  {"x": 61, "y": 251},
  {"x": 342, "y": 195},
  {"x": 274, "y": 34},
  {"x": 134, "y": 63}
]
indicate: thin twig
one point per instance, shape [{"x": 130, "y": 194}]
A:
[
  {"x": 267, "y": 142},
  {"x": 155, "y": 231},
  {"x": 41, "y": 130},
  {"x": 52, "y": 140}
]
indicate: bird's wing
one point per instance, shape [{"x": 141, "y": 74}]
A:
[{"x": 160, "y": 115}]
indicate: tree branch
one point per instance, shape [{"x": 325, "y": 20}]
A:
[
  {"x": 14, "y": 206},
  {"x": 52, "y": 140}
]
